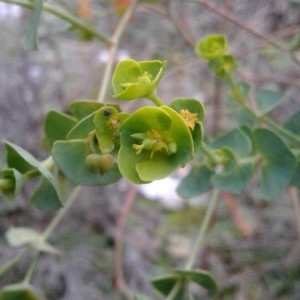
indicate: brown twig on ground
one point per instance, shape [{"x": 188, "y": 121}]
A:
[
  {"x": 295, "y": 207},
  {"x": 119, "y": 276},
  {"x": 84, "y": 9},
  {"x": 236, "y": 216}
]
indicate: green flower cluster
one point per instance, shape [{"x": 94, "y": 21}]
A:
[
  {"x": 154, "y": 141},
  {"x": 97, "y": 144},
  {"x": 214, "y": 49}
]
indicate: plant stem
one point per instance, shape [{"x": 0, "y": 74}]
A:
[
  {"x": 209, "y": 153},
  {"x": 31, "y": 269},
  {"x": 61, "y": 213},
  {"x": 176, "y": 288},
  {"x": 203, "y": 229},
  {"x": 279, "y": 129},
  {"x": 155, "y": 99},
  {"x": 9, "y": 264},
  {"x": 65, "y": 16},
  {"x": 115, "y": 40},
  {"x": 236, "y": 92}
]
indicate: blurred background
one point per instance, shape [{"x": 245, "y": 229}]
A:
[{"x": 253, "y": 245}]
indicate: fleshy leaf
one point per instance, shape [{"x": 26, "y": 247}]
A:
[
  {"x": 82, "y": 108},
  {"x": 20, "y": 291},
  {"x": 202, "y": 278},
  {"x": 279, "y": 163},
  {"x": 247, "y": 117},
  {"x": 45, "y": 197},
  {"x": 56, "y": 126},
  {"x": 235, "y": 180},
  {"x": 14, "y": 182},
  {"x": 20, "y": 236},
  {"x": 196, "y": 182},
  {"x": 236, "y": 140},
  {"x": 267, "y": 100},
  {"x": 165, "y": 284},
  {"x": 70, "y": 157},
  {"x": 293, "y": 124},
  {"x": 82, "y": 129},
  {"x": 23, "y": 161}
]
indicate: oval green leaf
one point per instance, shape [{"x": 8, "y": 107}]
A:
[{"x": 70, "y": 157}]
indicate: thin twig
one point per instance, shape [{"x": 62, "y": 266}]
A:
[
  {"x": 61, "y": 213},
  {"x": 236, "y": 216},
  {"x": 115, "y": 40},
  {"x": 295, "y": 207},
  {"x": 64, "y": 16},
  {"x": 128, "y": 202},
  {"x": 204, "y": 226}
]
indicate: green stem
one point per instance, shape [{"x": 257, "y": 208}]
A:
[
  {"x": 203, "y": 229},
  {"x": 174, "y": 292},
  {"x": 31, "y": 174},
  {"x": 155, "y": 99},
  {"x": 11, "y": 263},
  {"x": 65, "y": 16},
  {"x": 210, "y": 154},
  {"x": 191, "y": 297},
  {"x": 31, "y": 269},
  {"x": 61, "y": 213},
  {"x": 115, "y": 40},
  {"x": 280, "y": 130},
  {"x": 236, "y": 93}
]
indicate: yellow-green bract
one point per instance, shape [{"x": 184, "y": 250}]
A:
[
  {"x": 211, "y": 47},
  {"x": 132, "y": 79},
  {"x": 155, "y": 142}
]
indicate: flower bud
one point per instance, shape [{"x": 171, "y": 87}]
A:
[{"x": 211, "y": 47}]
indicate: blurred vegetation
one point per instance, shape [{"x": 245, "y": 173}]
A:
[{"x": 253, "y": 245}]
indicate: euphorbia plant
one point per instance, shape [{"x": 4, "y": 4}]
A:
[{"x": 97, "y": 144}]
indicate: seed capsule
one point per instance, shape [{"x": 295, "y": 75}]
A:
[{"x": 99, "y": 163}]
